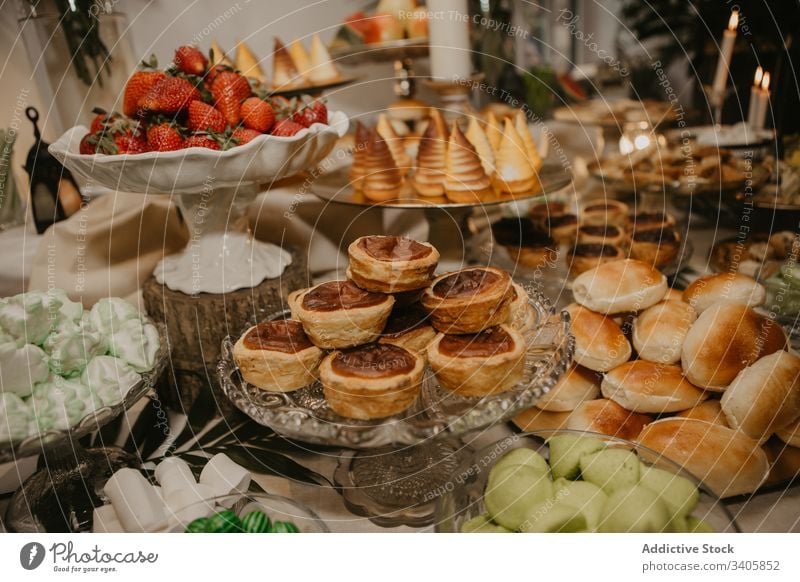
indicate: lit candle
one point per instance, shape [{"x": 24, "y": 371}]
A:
[
  {"x": 755, "y": 90},
  {"x": 763, "y": 103},
  {"x": 725, "y": 53},
  {"x": 448, "y": 35}
]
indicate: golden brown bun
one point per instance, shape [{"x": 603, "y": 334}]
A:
[
  {"x": 646, "y": 387},
  {"x": 765, "y": 396},
  {"x": 784, "y": 462},
  {"x": 659, "y": 331},
  {"x": 619, "y": 286},
  {"x": 725, "y": 339},
  {"x": 607, "y": 417},
  {"x": 727, "y": 461},
  {"x": 709, "y": 411},
  {"x": 600, "y": 344},
  {"x": 729, "y": 287},
  {"x": 673, "y": 295},
  {"x": 535, "y": 419},
  {"x": 790, "y": 434},
  {"x": 576, "y": 386}
]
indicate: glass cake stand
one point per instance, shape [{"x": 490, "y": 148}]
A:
[
  {"x": 396, "y": 467},
  {"x": 62, "y": 494}
]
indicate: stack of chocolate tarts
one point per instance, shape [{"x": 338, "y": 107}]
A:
[{"x": 368, "y": 339}]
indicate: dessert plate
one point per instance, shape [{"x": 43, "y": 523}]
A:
[
  {"x": 329, "y": 188},
  {"x": 199, "y": 170},
  {"x": 305, "y": 415}
]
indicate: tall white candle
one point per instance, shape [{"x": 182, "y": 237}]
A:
[
  {"x": 448, "y": 35},
  {"x": 755, "y": 90},
  {"x": 725, "y": 54},
  {"x": 763, "y": 103}
]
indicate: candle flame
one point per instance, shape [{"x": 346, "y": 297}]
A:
[
  {"x": 765, "y": 82},
  {"x": 758, "y": 77},
  {"x": 734, "y": 20}
]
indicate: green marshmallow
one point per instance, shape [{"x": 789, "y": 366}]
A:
[
  {"x": 678, "y": 493},
  {"x": 523, "y": 456},
  {"x": 566, "y": 451},
  {"x": 256, "y": 522},
  {"x": 284, "y": 527},
  {"x": 224, "y": 522},
  {"x": 482, "y": 524},
  {"x": 635, "y": 509},
  {"x": 586, "y": 497},
  {"x": 513, "y": 491},
  {"x": 553, "y": 516},
  {"x": 610, "y": 469},
  {"x": 199, "y": 525},
  {"x": 694, "y": 525}
]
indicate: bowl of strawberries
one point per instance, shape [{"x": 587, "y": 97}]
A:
[{"x": 197, "y": 123}]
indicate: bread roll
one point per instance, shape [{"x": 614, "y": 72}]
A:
[
  {"x": 790, "y": 434},
  {"x": 709, "y": 411},
  {"x": 659, "y": 331},
  {"x": 535, "y": 419},
  {"x": 673, "y": 295},
  {"x": 727, "y": 461},
  {"x": 575, "y": 386},
  {"x": 600, "y": 344},
  {"x": 646, "y": 387},
  {"x": 784, "y": 462},
  {"x": 725, "y": 339},
  {"x": 765, "y": 396},
  {"x": 607, "y": 417},
  {"x": 729, "y": 287},
  {"x": 617, "y": 286}
]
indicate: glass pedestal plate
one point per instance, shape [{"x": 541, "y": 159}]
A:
[
  {"x": 62, "y": 494},
  {"x": 396, "y": 467}
]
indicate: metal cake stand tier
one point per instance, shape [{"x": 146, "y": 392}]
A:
[{"x": 395, "y": 466}]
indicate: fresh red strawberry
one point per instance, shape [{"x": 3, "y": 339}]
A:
[
  {"x": 88, "y": 144},
  {"x": 164, "y": 137},
  {"x": 286, "y": 128},
  {"x": 201, "y": 140},
  {"x": 212, "y": 73},
  {"x": 310, "y": 113},
  {"x": 169, "y": 95},
  {"x": 229, "y": 90},
  {"x": 242, "y": 135},
  {"x": 257, "y": 114},
  {"x": 203, "y": 117},
  {"x": 137, "y": 87},
  {"x": 190, "y": 60},
  {"x": 282, "y": 106},
  {"x": 120, "y": 135},
  {"x": 131, "y": 143}
]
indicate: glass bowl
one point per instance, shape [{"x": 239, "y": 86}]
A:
[{"x": 462, "y": 499}]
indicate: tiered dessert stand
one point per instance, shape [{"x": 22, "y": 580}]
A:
[{"x": 64, "y": 491}]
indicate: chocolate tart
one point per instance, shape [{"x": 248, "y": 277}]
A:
[
  {"x": 527, "y": 245},
  {"x": 601, "y": 234},
  {"x": 583, "y": 257},
  {"x": 649, "y": 221},
  {"x": 277, "y": 356},
  {"x": 604, "y": 211},
  {"x": 563, "y": 228},
  {"x": 371, "y": 381},
  {"x": 488, "y": 362},
  {"x": 469, "y": 301},
  {"x": 410, "y": 328},
  {"x": 542, "y": 212},
  {"x": 339, "y": 314},
  {"x": 391, "y": 264},
  {"x": 657, "y": 247}
]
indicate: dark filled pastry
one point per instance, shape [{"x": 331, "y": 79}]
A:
[
  {"x": 391, "y": 264},
  {"x": 601, "y": 234},
  {"x": 542, "y": 212},
  {"x": 488, "y": 362},
  {"x": 371, "y": 381},
  {"x": 649, "y": 221},
  {"x": 604, "y": 211},
  {"x": 562, "y": 228},
  {"x": 339, "y": 314},
  {"x": 470, "y": 300},
  {"x": 583, "y": 257},
  {"x": 410, "y": 328},
  {"x": 655, "y": 246},
  {"x": 527, "y": 245},
  {"x": 277, "y": 356}
]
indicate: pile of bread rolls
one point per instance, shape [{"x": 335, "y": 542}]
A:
[{"x": 698, "y": 376}]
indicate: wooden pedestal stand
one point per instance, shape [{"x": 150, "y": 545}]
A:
[{"x": 197, "y": 324}]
